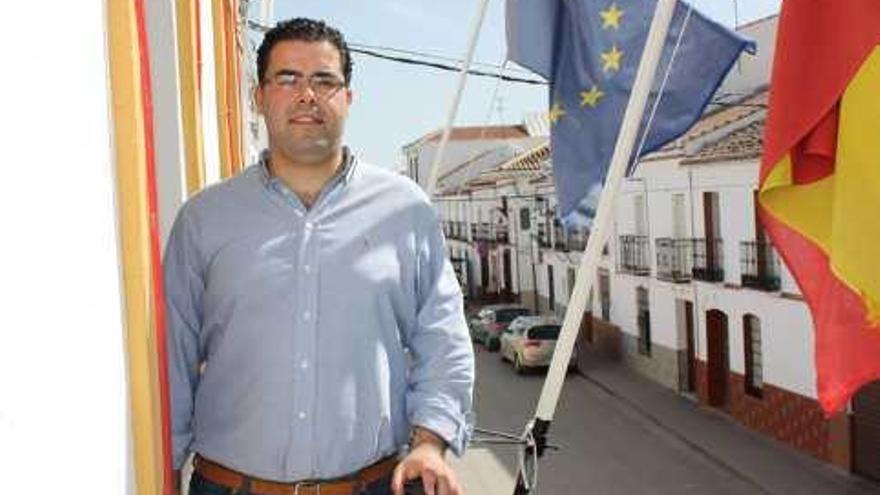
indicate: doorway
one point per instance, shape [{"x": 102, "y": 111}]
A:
[
  {"x": 866, "y": 431},
  {"x": 689, "y": 368},
  {"x": 718, "y": 357}
]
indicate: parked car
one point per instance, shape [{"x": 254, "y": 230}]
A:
[
  {"x": 529, "y": 342},
  {"x": 486, "y": 328}
]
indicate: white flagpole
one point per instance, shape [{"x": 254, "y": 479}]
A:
[
  {"x": 453, "y": 109},
  {"x": 586, "y": 272}
]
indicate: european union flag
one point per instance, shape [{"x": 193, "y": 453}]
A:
[{"x": 590, "y": 51}]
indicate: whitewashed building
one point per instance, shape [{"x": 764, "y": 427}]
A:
[{"x": 689, "y": 291}]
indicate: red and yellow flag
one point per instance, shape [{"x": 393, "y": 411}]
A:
[{"x": 820, "y": 181}]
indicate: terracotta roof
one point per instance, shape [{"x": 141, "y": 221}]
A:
[
  {"x": 726, "y": 116},
  {"x": 533, "y": 163},
  {"x": 530, "y": 161},
  {"x": 474, "y": 133},
  {"x": 482, "y": 132},
  {"x": 750, "y": 107},
  {"x": 741, "y": 144}
]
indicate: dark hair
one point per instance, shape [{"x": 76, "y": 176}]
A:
[{"x": 303, "y": 29}]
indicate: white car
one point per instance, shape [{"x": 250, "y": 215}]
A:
[{"x": 529, "y": 342}]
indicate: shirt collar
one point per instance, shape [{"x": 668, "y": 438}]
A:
[{"x": 345, "y": 173}]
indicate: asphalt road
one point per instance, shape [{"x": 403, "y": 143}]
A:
[{"x": 607, "y": 445}]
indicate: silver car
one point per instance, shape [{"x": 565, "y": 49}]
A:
[{"x": 529, "y": 342}]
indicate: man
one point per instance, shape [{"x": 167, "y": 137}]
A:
[{"x": 315, "y": 324}]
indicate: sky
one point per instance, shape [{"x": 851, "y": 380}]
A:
[{"x": 395, "y": 104}]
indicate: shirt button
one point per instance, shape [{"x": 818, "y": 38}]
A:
[
  {"x": 304, "y": 364},
  {"x": 309, "y": 225},
  {"x": 307, "y": 268},
  {"x": 306, "y": 316},
  {"x": 301, "y": 415}
]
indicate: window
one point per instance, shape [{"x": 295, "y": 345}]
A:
[
  {"x": 525, "y": 219},
  {"x": 754, "y": 383},
  {"x": 639, "y": 211},
  {"x": 643, "y": 321},
  {"x": 605, "y": 294}
]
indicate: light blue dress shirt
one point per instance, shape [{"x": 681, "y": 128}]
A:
[{"x": 304, "y": 343}]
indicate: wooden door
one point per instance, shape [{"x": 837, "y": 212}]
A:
[
  {"x": 866, "y": 431},
  {"x": 718, "y": 362}
]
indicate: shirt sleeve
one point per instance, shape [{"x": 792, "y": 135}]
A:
[
  {"x": 440, "y": 394},
  {"x": 184, "y": 286}
]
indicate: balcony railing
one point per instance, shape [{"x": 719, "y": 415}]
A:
[
  {"x": 674, "y": 259},
  {"x": 708, "y": 260},
  {"x": 577, "y": 241},
  {"x": 543, "y": 235},
  {"x": 633, "y": 253},
  {"x": 482, "y": 232},
  {"x": 455, "y": 230},
  {"x": 560, "y": 239},
  {"x": 760, "y": 266},
  {"x": 502, "y": 234}
]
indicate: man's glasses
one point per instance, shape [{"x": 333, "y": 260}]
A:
[{"x": 322, "y": 85}]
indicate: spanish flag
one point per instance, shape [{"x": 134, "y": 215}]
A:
[{"x": 820, "y": 181}]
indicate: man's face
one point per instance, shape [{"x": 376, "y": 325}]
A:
[{"x": 303, "y": 100}]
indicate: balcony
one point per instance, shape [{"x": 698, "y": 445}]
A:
[
  {"x": 708, "y": 260},
  {"x": 502, "y": 234},
  {"x": 560, "y": 239},
  {"x": 454, "y": 230},
  {"x": 462, "y": 231},
  {"x": 543, "y": 235},
  {"x": 483, "y": 232},
  {"x": 674, "y": 259},
  {"x": 633, "y": 255},
  {"x": 577, "y": 240},
  {"x": 759, "y": 266}
]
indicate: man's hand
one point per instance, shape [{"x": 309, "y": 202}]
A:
[{"x": 425, "y": 460}]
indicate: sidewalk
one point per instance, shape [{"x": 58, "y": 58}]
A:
[{"x": 769, "y": 466}]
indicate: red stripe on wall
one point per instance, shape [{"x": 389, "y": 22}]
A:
[{"x": 156, "y": 259}]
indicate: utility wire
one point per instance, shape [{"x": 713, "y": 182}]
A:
[
  {"x": 504, "y": 67},
  {"x": 448, "y": 67},
  {"x": 375, "y": 51}
]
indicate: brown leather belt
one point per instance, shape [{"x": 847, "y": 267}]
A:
[{"x": 347, "y": 485}]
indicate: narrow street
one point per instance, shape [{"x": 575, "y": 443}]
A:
[{"x": 617, "y": 436}]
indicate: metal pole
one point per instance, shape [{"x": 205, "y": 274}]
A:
[
  {"x": 266, "y": 12},
  {"x": 453, "y": 109},
  {"x": 584, "y": 280}
]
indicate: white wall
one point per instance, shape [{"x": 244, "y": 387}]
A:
[
  {"x": 786, "y": 334},
  {"x": 62, "y": 366},
  {"x": 167, "y": 126},
  {"x": 210, "y": 126},
  {"x": 753, "y": 71},
  {"x": 787, "y": 330}
]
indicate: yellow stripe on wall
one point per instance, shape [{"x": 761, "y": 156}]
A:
[
  {"x": 234, "y": 74},
  {"x": 222, "y": 90},
  {"x": 132, "y": 207},
  {"x": 191, "y": 112}
]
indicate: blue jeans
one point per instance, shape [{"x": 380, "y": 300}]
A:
[{"x": 201, "y": 486}]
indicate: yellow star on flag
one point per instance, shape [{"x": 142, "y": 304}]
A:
[
  {"x": 611, "y": 17},
  {"x": 556, "y": 113},
  {"x": 591, "y": 97},
  {"x": 611, "y": 59}
]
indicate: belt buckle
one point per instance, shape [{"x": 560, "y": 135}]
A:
[{"x": 306, "y": 484}]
